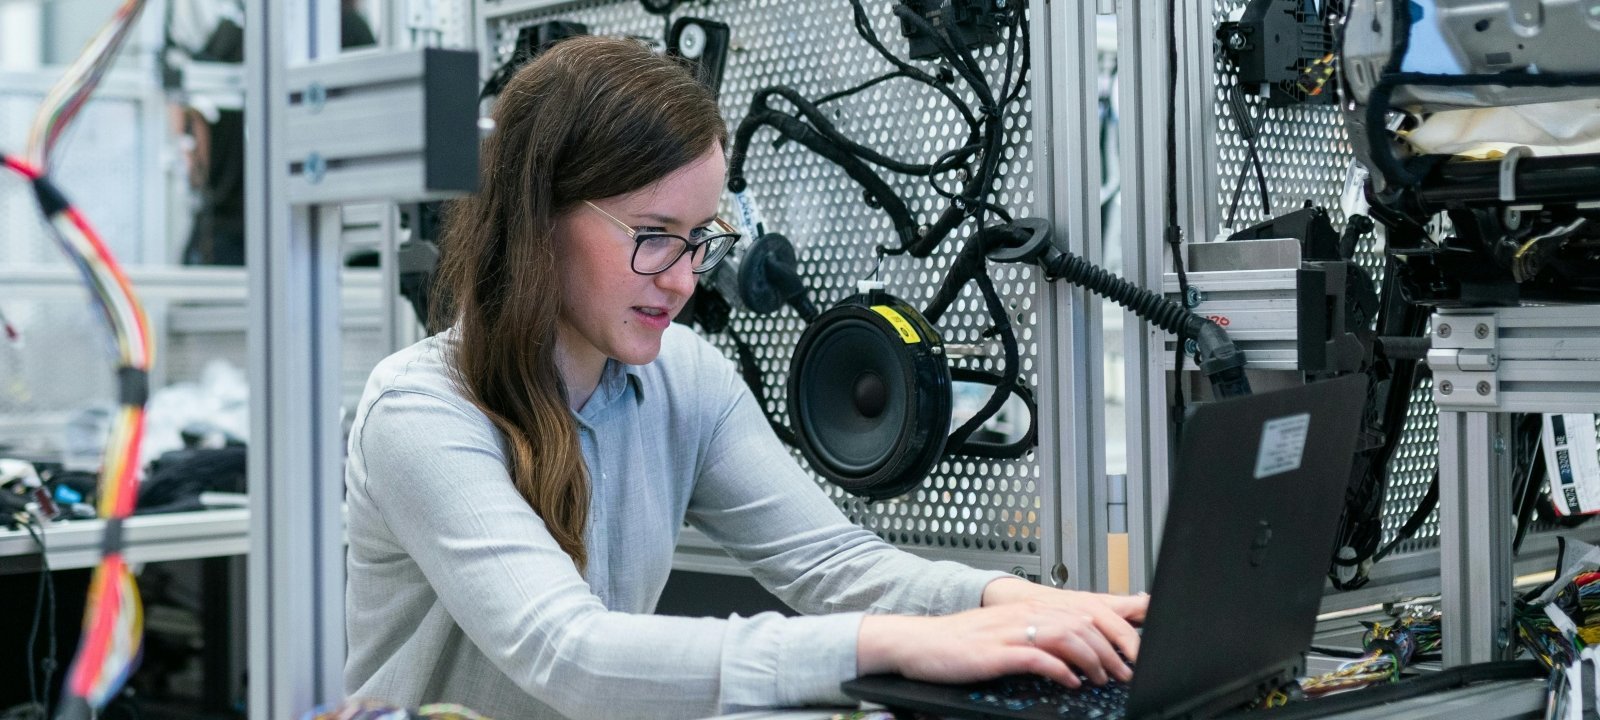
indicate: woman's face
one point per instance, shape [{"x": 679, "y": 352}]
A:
[{"x": 608, "y": 310}]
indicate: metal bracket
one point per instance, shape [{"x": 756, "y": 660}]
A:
[
  {"x": 389, "y": 126},
  {"x": 1249, "y": 287},
  {"x": 1465, "y": 361},
  {"x": 1517, "y": 359}
]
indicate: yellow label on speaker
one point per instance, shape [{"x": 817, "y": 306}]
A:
[{"x": 901, "y": 325}]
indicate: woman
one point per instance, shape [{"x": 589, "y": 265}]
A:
[{"x": 516, "y": 483}]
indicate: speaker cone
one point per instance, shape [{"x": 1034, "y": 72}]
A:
[{"x": 869, "y": 392}]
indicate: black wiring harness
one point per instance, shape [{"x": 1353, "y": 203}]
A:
[{"x": 975, "y": 164}]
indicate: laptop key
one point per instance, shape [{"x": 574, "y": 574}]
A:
[{"x": 1020, "y": 693}]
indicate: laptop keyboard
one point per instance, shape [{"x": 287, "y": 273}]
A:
[{"x": 1022, "y": 693}]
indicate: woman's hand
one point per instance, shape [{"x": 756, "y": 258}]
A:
[
  {"x": 1114, "y": 615},
  {"x": 1054, "y": 639}
]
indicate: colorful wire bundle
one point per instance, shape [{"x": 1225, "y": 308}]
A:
[
  {"x": 1389, "y": 649},
  {"x": 1588, "y": 585},
  {"x": 70, "y": 93},
  {"x": 1557, "y": 632},
  {"x": 114, "y": 618},
  {"x": 1558, "y": 622}
]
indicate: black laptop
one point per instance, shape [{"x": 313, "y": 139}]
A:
[{"x": 1251, "y": 522}]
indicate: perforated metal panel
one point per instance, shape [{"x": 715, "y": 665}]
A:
[
  {"x": 1306, "y": 154},
  {"x": 990, "y": 506}
]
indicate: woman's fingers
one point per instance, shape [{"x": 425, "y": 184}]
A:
[
  {"x": 1077, "y": 639},
  {"x": 1130, "y": 608},
  {"x": 1121, "y": 635},
  {"x": 1035, "y": 661}
]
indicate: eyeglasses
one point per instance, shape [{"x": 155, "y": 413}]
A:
[{"x": 654, "y": 252}]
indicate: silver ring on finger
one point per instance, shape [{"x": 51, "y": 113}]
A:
[{"x": 1032, "y": 633}]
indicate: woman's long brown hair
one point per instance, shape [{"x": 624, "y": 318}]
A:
[{"x": 590, "y": 118}]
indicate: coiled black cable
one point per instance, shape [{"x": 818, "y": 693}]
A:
[
  {"x": 1220, "y": 359},
  {"x": 1153, "y": 308}
]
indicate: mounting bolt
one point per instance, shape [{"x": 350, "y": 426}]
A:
[
  {"x": 1443, "y": 331},
  {"x": 1191, "y": 348},
  {"x": 316, "y": 168},
  {"x": 316, "y": 97},
  {"x": 1194, "y": 297},
  {"x": 1481, "y": 331},
  {"x": 1000, "y": 4},
  {"x": 1236, "y": 40},
  {"x": 1019, "y": 572},
  {"x": 1483, "y": 387},
  {"x": 922, "y": 231},
  {"x": 1446, "y": 387}
]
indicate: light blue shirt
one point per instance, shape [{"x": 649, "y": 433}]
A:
[{"x": 457, "y": 593}]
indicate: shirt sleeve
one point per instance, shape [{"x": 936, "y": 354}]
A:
[
  {"x": 437, "y": 475},
  {"x": 753, "y": 498}
]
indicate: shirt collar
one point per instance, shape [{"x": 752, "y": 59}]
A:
[{"x": 616, "y": 379}]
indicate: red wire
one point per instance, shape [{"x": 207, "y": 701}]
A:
[
  {"x": 22, "y": 167},
  {"x": 92, "y": 658},
  {"x": 129, "y": 482}
]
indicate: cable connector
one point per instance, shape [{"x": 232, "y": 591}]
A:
[
  {"x": 133, "y": 386},
  {"x": 51, "y": 201},
  {"x": 112, "y": 542}
]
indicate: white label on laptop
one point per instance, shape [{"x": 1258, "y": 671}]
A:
[
  {"x": 1283, "y": 445},
  {"x": 1573, "y": 464}
]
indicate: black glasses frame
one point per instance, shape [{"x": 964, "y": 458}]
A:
[{"x": 685, "y": 246}]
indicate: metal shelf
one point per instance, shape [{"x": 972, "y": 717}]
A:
[{"x": 147, "y": 538}]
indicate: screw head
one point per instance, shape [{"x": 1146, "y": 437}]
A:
[
  {"x": 316, "y": 167},
  {"x": 1019, "y": 572},
  {"x": 1483, "y": 387},
  {"x": 1443, "y": 331},
  {"x": 316, "y": 97},
  {"x": 1191, "y": 348},
  {"x": 1446, "y": 387},
  {"x": 1194, "y": 297},
  {"x": 1481, "y": 331}
]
